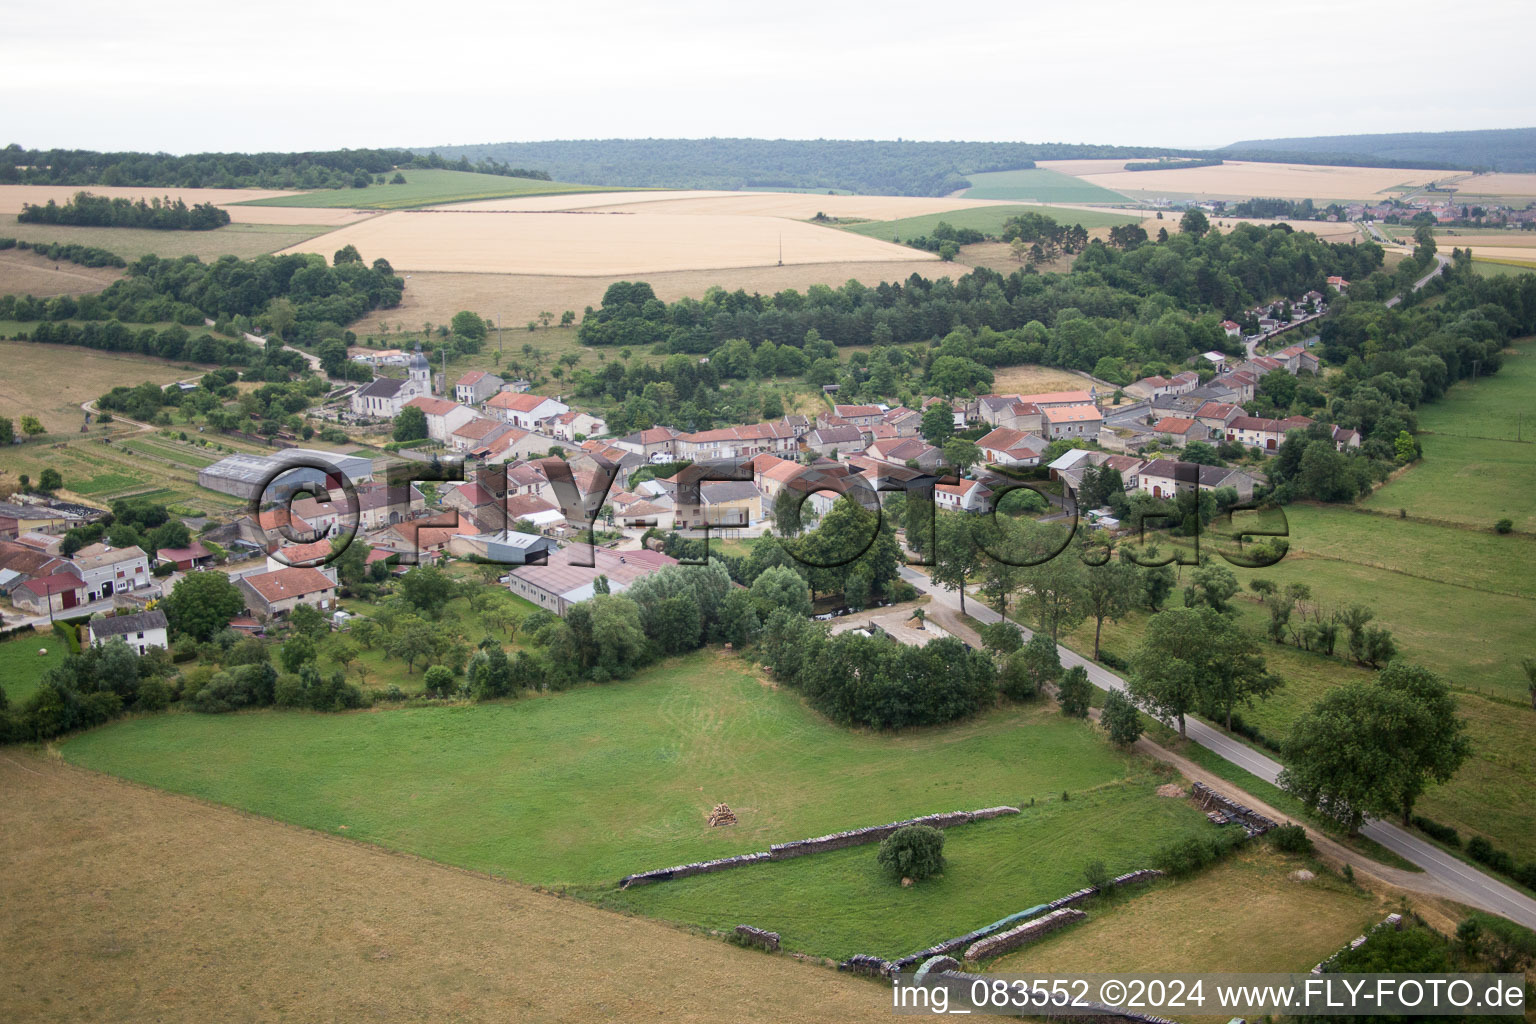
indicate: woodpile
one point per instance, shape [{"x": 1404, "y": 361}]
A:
[{"x": 721, "y": 815}]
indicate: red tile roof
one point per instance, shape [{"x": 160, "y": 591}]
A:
[{"x": 282, "y": 584}]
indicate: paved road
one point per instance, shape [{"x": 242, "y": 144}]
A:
[
  {"x": 1441, "y": 262},
  {"x": 260, "y": 342},
  {"x": 1462, "y": 882}
]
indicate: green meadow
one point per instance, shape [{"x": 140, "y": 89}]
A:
[
  {"x": 430, "y": 187},
  {"x": 1036, "y": 184}
]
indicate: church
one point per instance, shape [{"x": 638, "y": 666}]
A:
[{"x": 384, "y": 397}]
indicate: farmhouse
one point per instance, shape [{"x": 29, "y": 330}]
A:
[
  {"x": 45, "y": 595},
  {"x": 1216, "y": 416},
  {"x": 1259, "y": 432},
  {"x": 858, "y": 415},
  {"x": 524, "y": 410},
  {"x": 1006, "y": 446},
  {"x": 106, "y": 570},
  {"x": 1297, "y": 359},
  {"x": 964, "y": 496},
  {"x": 279, "y": 592},
  {"x": 777, "y": 437},
  {"x": 831, "y": 440},
  {"x": 1160, "y": 478},
  {"x": 901, "y": 451},
  {"x": 476, "y": 386},
  {"x": 140, "y": 631},
  {"x": 559, "y": 584},
  {"x": 1072, "y": 421},
  {"x": 654, "y": 444},
  {"x": 193, "y": 556},
  {"x": 477, "y": 433},
  {"x": 1180, "y": 430},
  {"x": 571, "y": 423},
  {"x": 443, "y": 417}
]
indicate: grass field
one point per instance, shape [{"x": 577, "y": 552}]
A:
[
  {"x": 587, "y": 786},
  {"x": 841, "y": 903},
  {"x": 50, "y": 381},
  {"x": 123, "y": 904},
  {"x": 986, "y": 219},
  {"x": 1502, "y": 268},
  {"x": 1457, "y": 601},
  {"x": 27, "y": 273},
  {"x": 428, "y": 188},
  {"x": 22, "y": 668},
  {"x": 243, "y": 240},
  {"x": 1474, "y": 471},
  {"x": 1038, "y": 184},
  {"x": 1244, "y": 915}
]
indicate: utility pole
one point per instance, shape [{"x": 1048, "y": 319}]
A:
[
  {"x": 781, "y": 248},
  {"x": 498, "y": 336}
]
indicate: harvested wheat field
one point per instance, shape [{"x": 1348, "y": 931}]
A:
[
  {"x": 124, "y": 903},
  {"x": 1240, "y": 180},
  {"x": 582, "y": 200},
  {"x": 1029, "y": 379},
  {"x": 13, "y": 196},
  {"x": 26, "y": 273},
  {"x": 598, "y": 243},
  {"x": 522, "y": 297},
  {"x": 1494, "y": 252},
  {"x": 1497, "y": 184},
  {"x": 805, "y": 205}
]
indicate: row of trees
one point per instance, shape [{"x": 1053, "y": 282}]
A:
[
  {"x": 67, "y": 252},
  {"x": 101, "y": 211},
  {"x": 344, "y": 168}
]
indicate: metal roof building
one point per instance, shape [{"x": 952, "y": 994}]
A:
[{"x": 242, "y": 475}]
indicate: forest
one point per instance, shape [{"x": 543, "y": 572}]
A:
[
  {"x": 343, "y": 168},
  {"x": 102, "y": 212},
  {"x": 1499, "y": 149},
  {"x": 899, "y": 167}
]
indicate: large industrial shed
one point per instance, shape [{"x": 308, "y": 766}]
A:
[{"x": 243, "y": 475}]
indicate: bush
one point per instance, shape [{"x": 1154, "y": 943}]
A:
[
  {"x": 1484, "y": 852},
  {"x": 1291, "y": 839},
  {"x": 1188, "y": 856},
  {"x": 912, "y": 851},
  {"x": 1074, "y": 692},
  {"x": 1435, "y": 830},
  {"x": 1504, "y": 526},
  {"x": 1097, "y": 876}
]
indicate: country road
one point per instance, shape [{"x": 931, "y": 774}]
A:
[
  {"x": 1449, "y": 876},
  {"x": 1441, "y": 262}
]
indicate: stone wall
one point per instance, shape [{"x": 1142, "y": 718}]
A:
[
  {"x": 875, "y": 833},
  {"x": 961, "y": 941},
  {"x": 1393, "y": 921},
  {"x": 1221, "y": 810},
  {"x": 1024, "y": 934},
  {"x": 863, "y": 963},
  {"x": 702, "y": 867},
  {"x": 756, "y": 937},
  {"x": 820, "y": 844}
]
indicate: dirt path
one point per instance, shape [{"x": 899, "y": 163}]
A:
[{"x": 126, "y": 903}]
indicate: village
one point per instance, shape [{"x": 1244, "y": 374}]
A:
[{"x": 513, "y": 508}]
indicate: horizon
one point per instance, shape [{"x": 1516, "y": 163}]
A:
[{"x": 323, "y": 80}]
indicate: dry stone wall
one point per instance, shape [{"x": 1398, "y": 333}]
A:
[
  {"x": 1024, "y": 934},
  {"x": 820, "y": 844},
  {"x": 1223, "y": 811},
  {"x": 756, "y": 937},
  {"x": 875, "y": 833},
  {"x": 1392, "y": 921},
  {"x": 863, "y": 963}
]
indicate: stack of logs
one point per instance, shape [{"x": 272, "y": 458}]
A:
[{"x": 721, "y": 815}]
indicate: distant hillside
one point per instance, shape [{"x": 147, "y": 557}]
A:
[
  {"x": 868, "y": 166},
  {"x": 1499, "y": 149}
]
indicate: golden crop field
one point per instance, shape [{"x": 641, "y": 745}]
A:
[
  {"x": 805, "y": 205},
  {"x": 125, "y": 903},
  {"x": 26, "y": 273},
  {"x": 519, "y": 298},
  {"x": 598, "y": 243},
  {"x": 1243, "y": 179},
  {"x": 1498, "y": 184}
]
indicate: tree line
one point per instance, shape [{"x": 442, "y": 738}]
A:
[
  {"x": 68, "y": 252},
  {"x": 343, "y": 168},
  {"x": 100, "y": 211},
  {"x": 884, "y": 167}
]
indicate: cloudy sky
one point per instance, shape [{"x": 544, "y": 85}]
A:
[{"x": 282, "y": 75}]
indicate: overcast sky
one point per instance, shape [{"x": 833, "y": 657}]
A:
[{"x": 281, "y": 75}]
